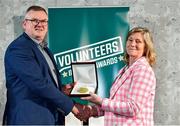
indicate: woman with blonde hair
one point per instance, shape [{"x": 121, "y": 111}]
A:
[{"x": 131, "y": 101}]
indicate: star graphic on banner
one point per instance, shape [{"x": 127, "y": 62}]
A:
[
  {"x": 121, "y": 58},
  {"x": 65, "y": 74}
]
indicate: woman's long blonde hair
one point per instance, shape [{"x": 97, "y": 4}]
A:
[{"x": 149, "y": 52}]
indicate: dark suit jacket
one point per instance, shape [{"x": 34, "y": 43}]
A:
[{"x": 32, "y": 95}]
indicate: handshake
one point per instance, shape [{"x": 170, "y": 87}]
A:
[
  {"x": 85, "y": 112},
  {"x": 82, "y": 112}
]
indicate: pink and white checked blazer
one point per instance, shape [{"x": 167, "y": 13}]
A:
[{"x": 131, "y": 101}]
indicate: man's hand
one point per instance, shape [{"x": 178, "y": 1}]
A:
[{"x": 84, "y": 112}]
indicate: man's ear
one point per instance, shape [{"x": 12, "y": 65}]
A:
[{"x": 23, "y": 24}]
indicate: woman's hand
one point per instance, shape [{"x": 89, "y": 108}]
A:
[{"x": 93, "y": 98}]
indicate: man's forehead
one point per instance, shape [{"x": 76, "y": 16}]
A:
[{"x": 36, "y": 14}]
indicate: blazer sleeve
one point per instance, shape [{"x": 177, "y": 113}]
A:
[
  {"x": 21, "y": 61},
  {"x": 140, "y": 91}
]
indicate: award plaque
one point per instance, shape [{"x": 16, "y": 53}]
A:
[{"x": 85, "y": 78}]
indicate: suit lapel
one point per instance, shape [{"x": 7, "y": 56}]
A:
[
  {"x": 54, "y": 63},
  {"x": 43, "y": 60},
  {"x": 36, "y": 49}
]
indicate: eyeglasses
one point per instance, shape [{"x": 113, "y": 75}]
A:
[{"x": 36, "y": 21}]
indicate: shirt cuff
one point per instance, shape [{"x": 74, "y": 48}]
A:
[{"x": 104, "y": 103}]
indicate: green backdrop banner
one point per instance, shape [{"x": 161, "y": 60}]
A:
[{"x": 89, "y": 34}]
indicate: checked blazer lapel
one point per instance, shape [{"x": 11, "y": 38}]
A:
[
  {"x": 119, "y": 81},
  {"x": 123, "y": 76}
]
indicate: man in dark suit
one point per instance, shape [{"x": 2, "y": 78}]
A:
[{"x": 34, "y": 93}]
